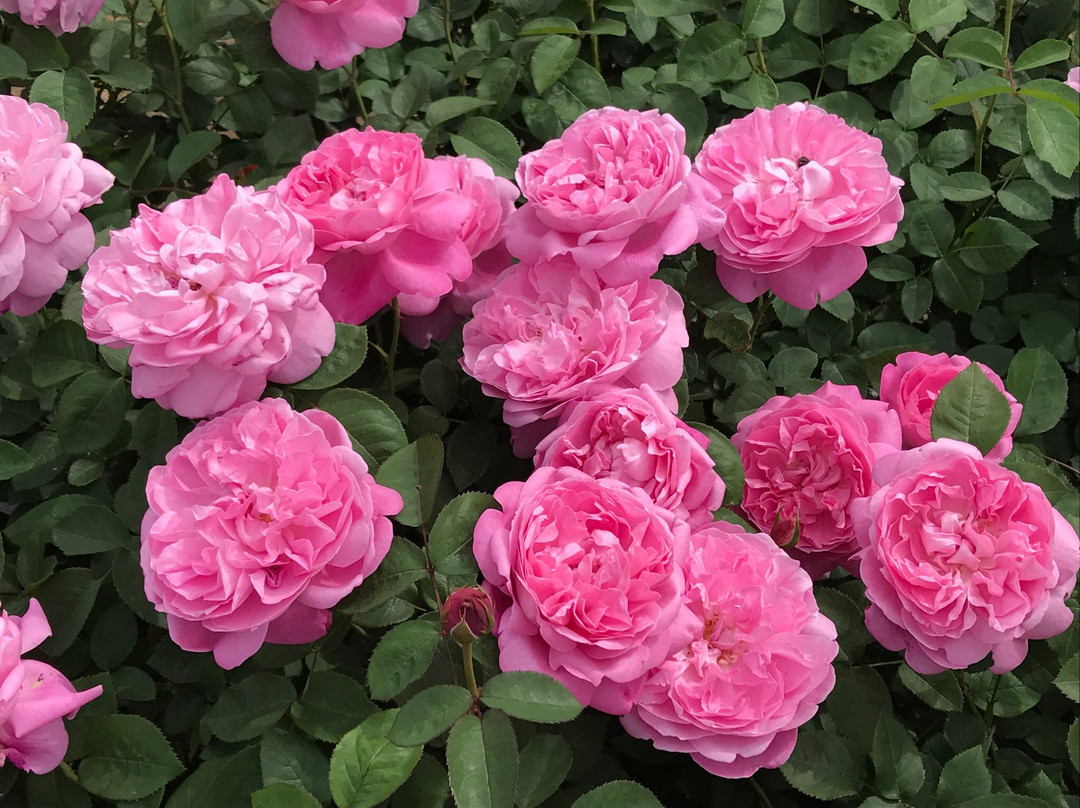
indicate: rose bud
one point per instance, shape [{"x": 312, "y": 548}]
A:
[{"x": 467, "y": 614}]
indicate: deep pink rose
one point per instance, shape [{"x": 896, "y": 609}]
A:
[
  {"x": 44, "y": 184},
  {"x": 803, "y": 193},
  {"x": 488, "y": 201},
  {"x": 551, "y": 334},
  {"x": 587, "y": 581},
  {"x": 610, "y": 195},
  {"x": 215, "y": 295},
  {"x": 387, "y": 220},
  {"x": 757, "y": 667},
  {"x": 911, "y": 386},
  {"x": 59, "y": 16},
  {"x": 332, "y": 32},
  {"x": 806, "y": 459},
  {"x": 260, "y": 521},
  {"x": 633, "y": 436},
  {"x": 1074, "y": 79},
  {"x": 34, "y": 697},
  {"x": 961, "y": 558}
]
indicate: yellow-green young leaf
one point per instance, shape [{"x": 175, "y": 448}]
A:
[
  {"x": 981, "y": 85},
  {"x": 367, "y": 767},
  {"x": 552, "y": 57},
  {"x": 401, "y": 657},
  {"x": 129, "y": 758},
  {"x": 70, "y": 92},
  {"x": 971, "y": 409},
  {"x": 482, "y": 761},
  {"x": 530, "y": 696}
]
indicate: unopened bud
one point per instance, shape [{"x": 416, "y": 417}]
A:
[{"x": 467, "y": 614}]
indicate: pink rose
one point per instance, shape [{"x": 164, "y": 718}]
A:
[
  {"x": 587, "y": 582},
  {"x": 757, "y": 666},
  {"x": 34, "y": 697},
  {"x": 609, "y": 195},
  {"x": 59, "y": 16},
  {"x": 44, "y": 184},
  {"x": 961, "y": 558},
  {"x": 1074, "y": 79},
  {"x": 633, "y": 436},
  {"x": 260, "y": 521},
  {"x": 806, "y": 459},
  {"x": 551, "y": 334},
  {"x": 488, "y": 200},
  {"x": 215, "y": 295},
  {"x": 911, "y": 387},
  {"x": 332, "y": 32},
  {"x": 387, "y": 221},
  {"x": 803, "y": 193}
]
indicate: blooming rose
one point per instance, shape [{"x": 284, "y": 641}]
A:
[
  {"x": 488, "y": 200},
  {"x": 332, "y": 32},
  {"x": 44, "y": 183},
  {"x": 34, "y": 697},
  {"x": 260, "y": 521},
  {"x": 387, "y": 221},
  {"x": 551, "y": 334},
  {"x": 215, "y": 295},
  {"x": 911, "y": 386},
  {"x": 758, "y": 664},
  {"x": 962, "y": 558},
  {"x": 59, "y": 16},
  {"x": 587, "y": 582},
  {"x": 610, "y": 194},
  {"x": 806, "y": 458},
  {"x": 633, "y": 436},
  {"x": 803, "y": 193},
  {"x": 1074, "y": 79}
]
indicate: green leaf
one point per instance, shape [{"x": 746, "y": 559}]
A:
[
  {"x": 330, "y": 705},
  {"x": 877, "y": 50},
  {"x": 224, "y": 782},
  {"x": 70, "y": 93},
  {"x": 965, "y": 186},
  {"x": 91, "y": 411},
  {"x": 469, "y": 451},
  {"x": 552, "y": 57},
  {"x": 579, "y": 89},
  {"x": 12, "y": 65},
  {"x": 982, "y": 45},
  {"x": 60, "y": 352},
  {"x": 1072, "y": 741},
  {"x": 429, "y": 714},
  {"x": 89, "y": 529},
  {"x": 401, "y": 657},
  {"x": 129, "y": 758},
  {"x": 915, "y": 298},
  {"x": 886, "y": 9},
  {"x": 727, "y": 462},
  {"x": 1068, "y": 680},
  {"x": 67, "y": 598},
  {"x": 841, "y": 306},
  {"x": 762, "y": 18},
  {"x": 191, "y": 148},
  {"x": 1043, "y": 52},
  {"x": 927, "y": 14},
  {"x": 368, "y": 420},
  {"x": 427, "y": 786},
  {"x": 13, "y": 460},
  {"x": 410, "y": 95},
  {"x": 940, "y": 691},
  {"x": 530, "y": 696},
  {"x": 366, "y": 767},
  {"x": 350, "y": 350},
  {"x": 971, "y": 409},
  {"x": 489, "y": 141},
  {"x": 189, "y": 22},
  {"x": 964, "y": 778},
  {"x": 547, "y": 26},
  {"x": 792, "y": 365},
  {"x": 929, "y": 227},
  {"x": 214, "y": 76},
  {"x": 993, "y": 245},
  {"x": 482, "y": 760},
  {"x": 1026, "y": 199},
  {"x": 414, "y": 472},
  {"x": 859, "y": 691},
  {"x": 898, "y": 766},
  {"x": 544, "y": 763},
  {"x": 618, "y": 794},
  {"x": 1037, "y": 381},
  {"x": 404, "y": 565},
  {"x": 450, "y": 540},
  {"x": 1055, "y": 135},
  {"x": 981, "y": 85},
  {"x": 283, "y": 795},
  {"x": 249, "y": 708},
  {"x": 289, "y": 758},
  {"x": 957, "y": 287},
  {"x": 454, "y": 106},
  {"x": 825, "y": 766},
  {"x": 711, "y": 53},
  {"x": 931, "y": 78}
]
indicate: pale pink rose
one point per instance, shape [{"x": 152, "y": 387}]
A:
[
  {"x": 803, "y": 193},
  {"x": 911, "y": 386},
  {"x": 260, "y": 521},
  {"x": 633, "y": 436},
  {"x": 587, "y": 581},
  {"x": 387, "y": 221},
  {"x": 332, "y": 32},
  {"x": 758, "y": 664},
  {"x": 215, "y": 295},
  {"x": 961, "y": 558},
  {"x": 59, "y": 16},
  {"x": 610, "y": 195},
  {"x": 34, "y": 697},
  {"x": 44, "y": 184},
  {"x": 488, "y": 201},
  {"x": 806, "y": 459},
  {"x": 1074, "y": 79},
  {"x": 551, "y": 334}
]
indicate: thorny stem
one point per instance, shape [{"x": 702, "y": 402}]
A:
[
  {"x": 762, "y": 305},
  {"x": 760, "y": 793},
  {"x": 470, "y": 675},
  {"x": 178, "y": 96},
  {"x": 1008, "y": 31},
  {"x": 132, "y": 7},
  {"x": 69, "y": 772},
  {"x": 449, "y": 31},
  {"x": 595, "y": 39},
  {"x": 354, "y": 71},
  {"x": 980, "y": 132},
  {"x": 391, "y": 354},
  {"x": 761, "y": 66}
]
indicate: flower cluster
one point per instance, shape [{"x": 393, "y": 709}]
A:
[
  {"x": 59, "y": 16},
  {"x": 44, "y": 184}
]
